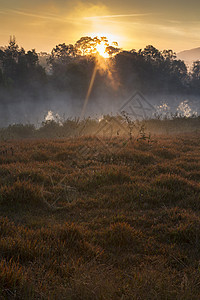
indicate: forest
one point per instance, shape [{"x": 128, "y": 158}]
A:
[{"x": 69, "y": 68}]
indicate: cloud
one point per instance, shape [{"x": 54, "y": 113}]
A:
[
  {"x": 4, "y": 12},
  {"x": 117, "y": 16},
  {"x": 49, "y": 17}
]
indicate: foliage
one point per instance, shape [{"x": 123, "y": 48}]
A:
[
  {"x": 20, "y": 67},
  {"x": 70, "y": 66}
]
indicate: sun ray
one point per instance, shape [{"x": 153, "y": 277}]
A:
[
  {"x": 100, "y": 49},
  {"x": 88, "y": 92}
]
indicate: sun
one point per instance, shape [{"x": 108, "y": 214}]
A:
[{"x": 101, "y": 49}]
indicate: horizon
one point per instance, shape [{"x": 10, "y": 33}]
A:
[{"x": 68, "y": 43}]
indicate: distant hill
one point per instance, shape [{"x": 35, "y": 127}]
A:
[{"x": 189, "y": 56}]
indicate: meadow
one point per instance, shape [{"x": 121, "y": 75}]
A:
[{"x": 85, "y": 217}]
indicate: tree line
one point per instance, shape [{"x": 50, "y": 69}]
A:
[{"x": 69, "y": 68}]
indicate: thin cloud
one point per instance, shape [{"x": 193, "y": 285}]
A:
[
  {"x": 49, "y": 17},
  {"x": 117, "y": 16},
  {"x": 174, "y": 21},
  {"x": 2, "y": 12}
]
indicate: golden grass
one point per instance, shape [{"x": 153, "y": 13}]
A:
[{"x": 129, "y": 228}]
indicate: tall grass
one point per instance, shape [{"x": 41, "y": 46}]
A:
[{"x": 130, "y": 232}]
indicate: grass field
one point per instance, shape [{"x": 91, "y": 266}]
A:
[{"x": 89, "y": 218}]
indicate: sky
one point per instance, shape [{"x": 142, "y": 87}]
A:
[{"x": 42, "y": 24}]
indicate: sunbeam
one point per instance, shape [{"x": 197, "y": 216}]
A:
[{"x": 88, "y": 92}]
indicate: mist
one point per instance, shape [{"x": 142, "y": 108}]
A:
[
  {"x": 27, "y": 110},
  {"x": 72, "y": 79}
]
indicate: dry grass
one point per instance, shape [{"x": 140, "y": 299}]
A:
[{"x": 129, "y": 228}]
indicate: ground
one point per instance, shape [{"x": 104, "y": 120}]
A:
[{"x": 89, "y": 218}]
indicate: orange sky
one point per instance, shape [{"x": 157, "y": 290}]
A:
[{"x": 134, "y": 24}]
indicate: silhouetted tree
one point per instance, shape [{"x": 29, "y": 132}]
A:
[
  {"x": 195, "y": 76},
  {"x": 72, "y": 66},
  {"x": 152, "y": 54},
  {"x": 20, "y": 69},
  {"x": 169, "y": 55}
]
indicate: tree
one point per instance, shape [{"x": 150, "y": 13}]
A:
[
  {"x": 62, "y": 53},
  {"x": 196, "y": 70},
  {"x": 152, "y": 54},
  {"x": 89, "y": 46},
  {"x": 31, "y": 58},
  {"x": 112, "y": 50},
  {"x": 195, "y": 76},
  {"x": 60, "y": 57},
  {"x": 169, "y": 54},
  {"x": 20, "y": 67}
]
